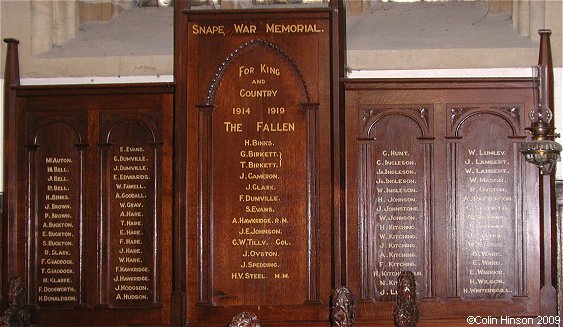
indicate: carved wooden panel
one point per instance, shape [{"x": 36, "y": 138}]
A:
[
  {"x": 55, "y": 223},
  {"x": 258, "y": 133},
  {"x": 395, "y": 211},
  {"x": 436, "y": 184},
  {"x": 262, "y": 210},
  {"x": 486, "y": 247},
  {"x": 131, "y": 180},
  {"x": 94, "y": 225}
]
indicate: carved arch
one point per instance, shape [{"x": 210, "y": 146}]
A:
[
  {"x": 36, "y": 136},
  {"x": 243, "y": 48},
  {"x": 459, "y": 115},
  {"x": 138, "y": 121},
  {"x": 417, "y": 115}
]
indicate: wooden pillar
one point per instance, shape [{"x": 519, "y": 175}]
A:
[
  {"x": 548, "y": 227},
  {"x": 11, "y": 78}
]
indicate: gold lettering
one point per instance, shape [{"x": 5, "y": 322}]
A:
[{"x": 208, "y": 29}]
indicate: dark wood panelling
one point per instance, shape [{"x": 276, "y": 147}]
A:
[
  {"x": 262, "y": 191},
  {"x": 465, "y": 220},
  {"x": 94, "y": 218},
  {"x": 486, "y": 246},
  {"x": 395, "y": 209}
]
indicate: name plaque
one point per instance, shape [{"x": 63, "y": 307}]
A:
[
  {"x": 437, "y": 186},
  {"x": 132, "y": 221},
  {"x": 394, "y": 211},
  {"x": 488, "y": 204},
  {"x": 262, "y": 163}
]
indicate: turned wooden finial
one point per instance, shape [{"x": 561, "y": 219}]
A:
[
  {"x": 406, "y": 312},
  {"x": 16, "y": 315},
  {"x": 12, "y": 71},
  {"x": 245, "y": 319},
  {"x": 343, "y": 307}
]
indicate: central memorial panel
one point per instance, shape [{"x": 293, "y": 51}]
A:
[
  {"x": 258, "y": 114},
  {"x": 263, "y": 217}
]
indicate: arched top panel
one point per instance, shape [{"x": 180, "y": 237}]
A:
[
  {"x": 372, "y": 116},
  {"x": 133, "y": 126},
  {"x": 243, "y": 49},
  {"x": 509, "y": 114},
  {"x": 60, "y": 128}
]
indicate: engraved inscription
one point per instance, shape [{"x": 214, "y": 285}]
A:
[
  {"x": 398, "y": 218},
  {"x": 397, "y": 209},
  {"x": 486, "y": 211},
  {"x": 132, "y": 218},
  {"x": 260, "y": 130},
  {"x": 57, "y": 266},
  {"x": 487, "y": 199}
]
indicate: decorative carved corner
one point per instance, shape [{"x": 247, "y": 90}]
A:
[
  {"x": 370, "y": 114},
  {"x": 456, "y": 113},
  {"x": 342, "y": 307},
  {"x": 512, "y": 111},
  {"x": 245, "y": 319},
  {"x": 16, "y": 315},
  {"x": 367, "y": 113},
  {"x": 406, "y": 312},
  {"x": 421, "y": 112}
]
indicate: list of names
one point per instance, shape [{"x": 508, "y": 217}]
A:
[
  {"x": 131, "y": 177},
  {"x": 57, "y": 269},
  {"x": 399, "y": 219},
  {"x": 488, "y": 199}
]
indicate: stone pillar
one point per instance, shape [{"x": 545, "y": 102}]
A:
[
  {"x": 524, "y": 17},
  {"x": 515, "y": 16},
  {"x": 41, "y": 26},
  {"x": 499, "y": 6},
  {"x": 99, "y": 11},
  {"x": 528, "y": 16},
  {"x": 65, "y": 21},
  {"x": 355, "y": 7},
  {"x": 537, "y": 18}
]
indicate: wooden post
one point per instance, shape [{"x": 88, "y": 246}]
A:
[
  {"x": 11, "y": 78},
  {"x": 548, "y": 227}
]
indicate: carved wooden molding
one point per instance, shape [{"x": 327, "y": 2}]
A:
[
  {"x": 16, "y": 315},
  {"x": 342, "y": 307},
  {"x": 371, "y": 114},
  {"x": 205, "y": 180},
  {"x": 509, "y": 112},
  {"x": 405, "y": 313},
  {"x": 218, "y": 76},
  {"x": 245, "y": 319}
]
